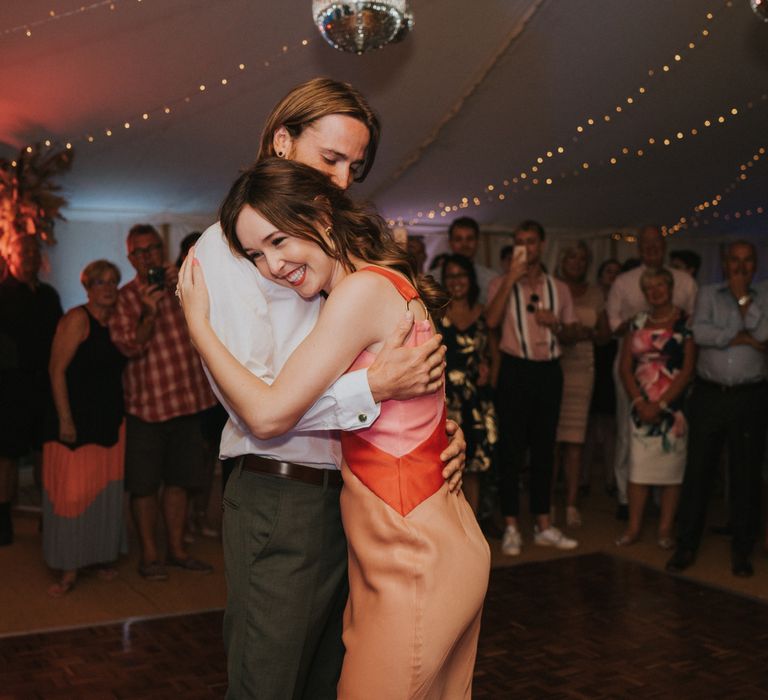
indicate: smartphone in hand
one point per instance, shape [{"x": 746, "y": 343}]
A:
[{"x": 156, "y": 277}]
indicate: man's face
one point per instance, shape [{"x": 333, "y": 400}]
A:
[
  {"x": 533, "y": 246},
  {"x": 145, "y": 250},
  {"x": 740, "y": 260},
  {"x": 334, "y": 145},
  {"x": 24, "y": 258},
  {"x": 650, "y": 246},
  {"x": 463, "y": 241}
]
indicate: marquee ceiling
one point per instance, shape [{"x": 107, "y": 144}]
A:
[{"x": 471, "y": 99}]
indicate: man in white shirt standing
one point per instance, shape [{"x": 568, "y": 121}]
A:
[
  {"x": 284, "y": 546},
  {"x": 625, "y": 301},
  {"x": 464, "y": 239}
]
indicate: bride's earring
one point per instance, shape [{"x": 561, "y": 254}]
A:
[{"x": 279, "y": 154}]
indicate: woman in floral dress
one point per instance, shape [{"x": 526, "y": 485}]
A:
[
  {"x": 468, "y": 370},
  {"x": 657, "y": 364}
]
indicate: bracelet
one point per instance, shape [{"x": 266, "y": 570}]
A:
[{"x": 636, "y": 400}]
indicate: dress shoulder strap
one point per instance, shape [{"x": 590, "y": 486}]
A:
[{"x": 405, "y": 288}]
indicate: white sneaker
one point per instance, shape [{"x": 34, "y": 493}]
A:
[
  {"x": 552, "y": 537},
  {"x": 511, "y": 542}
]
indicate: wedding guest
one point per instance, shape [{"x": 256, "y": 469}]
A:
[
  {"x": 601, "y": 429},
  {"x": 165, "y": 391},
  {"x": 84, "y": 456},
  {"x": 727, "y": 408},
  {"x": 685, "y": 261},
  {"x": 535, "y": 313},
  {"x": 464, "y": 239},
  {"x": 625, "y": 301},
  {"x": 467, "y": 373},
  {"x": 656, "y": 365},
  {"x": 29, "y": 312},
  {"x": 577, "y": 363}
]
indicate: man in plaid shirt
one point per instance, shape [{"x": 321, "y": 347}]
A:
[{"x": 165, "y": 391}]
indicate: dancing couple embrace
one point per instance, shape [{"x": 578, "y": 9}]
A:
[{"x": 312, "y": 325}]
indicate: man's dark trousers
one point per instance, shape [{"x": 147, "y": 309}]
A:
[
  {"x": 285, "y": 558},
  {"x": 735, "y": 417}
]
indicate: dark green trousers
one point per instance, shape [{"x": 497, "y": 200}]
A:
[{"x": 285, "y": 559}]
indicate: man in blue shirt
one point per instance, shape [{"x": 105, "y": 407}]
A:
[{"x": 729, "y": 405}]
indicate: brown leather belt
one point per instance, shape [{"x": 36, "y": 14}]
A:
[{"x": 290, "y": 470}]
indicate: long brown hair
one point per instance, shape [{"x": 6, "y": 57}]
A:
[
  {"x": 314, "y": 99},
  {"x": 300, "y": 201}
]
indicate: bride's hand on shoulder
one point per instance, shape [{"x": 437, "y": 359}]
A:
[{"x": 193, "y": 293}]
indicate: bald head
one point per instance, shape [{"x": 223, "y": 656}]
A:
[
  {"x": 651, "y": 246},
  {"x": 740, "y": 261}
]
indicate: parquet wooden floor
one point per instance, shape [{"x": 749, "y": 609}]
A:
[{"x": 590, "y": 626}]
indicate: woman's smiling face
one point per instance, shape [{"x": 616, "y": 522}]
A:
[{"x": 289, "y": 261}]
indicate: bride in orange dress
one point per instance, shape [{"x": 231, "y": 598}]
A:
[{"x": 418, "y": 563}]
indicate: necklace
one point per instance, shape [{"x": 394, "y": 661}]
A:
[{"x": 664, "y": 319}]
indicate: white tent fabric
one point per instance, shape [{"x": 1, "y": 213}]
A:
[{"x": 473, "y": 98}]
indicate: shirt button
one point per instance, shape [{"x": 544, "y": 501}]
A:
[{"x": 362, "y": 417}]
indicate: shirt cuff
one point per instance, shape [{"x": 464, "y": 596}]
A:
[{"x": 355, "y": 407}]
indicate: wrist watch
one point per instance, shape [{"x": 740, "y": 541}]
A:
[{"x": 744, "y": 300}]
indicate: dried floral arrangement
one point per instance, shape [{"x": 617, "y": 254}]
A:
[{"x": 29, "y": 202}]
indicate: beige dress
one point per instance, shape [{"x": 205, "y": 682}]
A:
[
  {"x": 578, "y": 364},
  {"x": 418, "y": 563}
]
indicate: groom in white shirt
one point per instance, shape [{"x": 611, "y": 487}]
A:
[{"x": 284, "y": 545}]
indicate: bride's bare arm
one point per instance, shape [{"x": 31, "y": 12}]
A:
[{"x": 346, "y": 326}]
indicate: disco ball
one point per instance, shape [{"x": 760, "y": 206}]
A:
[
  {"x": 358, "y": 26},
  {"x": 760, "y": 8}
]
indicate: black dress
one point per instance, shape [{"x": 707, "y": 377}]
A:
[
  {"x": 95, "y": 388},
  {"x": 83, "y": 482},
  {"x": 470, "y": 405}
]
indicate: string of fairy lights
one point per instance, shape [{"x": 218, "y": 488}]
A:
[
  {"x": 527, "y": 178},
  {"x": 723, "y": 118},
  {"x": 165, "y": 110},
  {"x": 711, "y": 207},
  {"x": 532, "y": 176},
  {"x": 53, "y": 16}
]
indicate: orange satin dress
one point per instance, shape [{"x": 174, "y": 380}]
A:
[{"x": 418, "y": 563}]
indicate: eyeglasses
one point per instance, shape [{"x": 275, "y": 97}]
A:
[
  {"x": 532, "y": 305},
  {"x": 154, "y": 248}
]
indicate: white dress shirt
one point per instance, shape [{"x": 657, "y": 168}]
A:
[
  {"x": 626, "y": 298},
  {"x": 262, "y": 323}
]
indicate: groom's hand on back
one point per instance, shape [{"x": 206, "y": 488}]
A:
[
  {"x": 400, "y": 372},
  {"x": 454, "y": 456}
]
